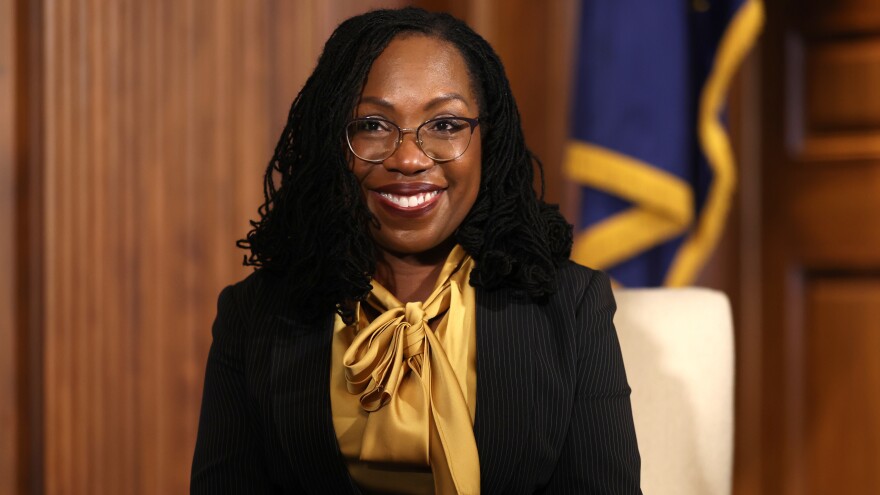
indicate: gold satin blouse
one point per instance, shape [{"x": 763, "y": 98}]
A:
[{"x": 403, "y": 389}]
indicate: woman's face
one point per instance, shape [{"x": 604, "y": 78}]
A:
[{"x": 418, "y": 202}]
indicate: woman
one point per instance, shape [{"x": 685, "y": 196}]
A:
[{"x": 414, "y": 325}]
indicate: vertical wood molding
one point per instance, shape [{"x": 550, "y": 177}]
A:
[
  {"x": 21, "y": 246},
  {"x": 739, "y": 258},
  {"x": 10, "y": 365}
]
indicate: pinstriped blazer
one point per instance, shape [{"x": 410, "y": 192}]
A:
[{"x": 553, "y": 410}]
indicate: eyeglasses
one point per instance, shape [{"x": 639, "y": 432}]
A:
[{"x": 443, "y": 139}]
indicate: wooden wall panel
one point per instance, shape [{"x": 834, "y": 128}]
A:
[
  {"x": 833, "y": 210},
  {"x": 838, "y": 17},
  {"x": 842, "y": 78},
  {"x": 819, "y": 228},
  {"x": 834, "y": 104},
  {"x": 843, "y": 334}
]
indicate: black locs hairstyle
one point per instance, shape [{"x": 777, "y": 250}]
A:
[{"x": 314, "y": 227}]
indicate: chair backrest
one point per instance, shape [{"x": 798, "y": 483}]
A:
[{"x": 677, "y": 346}]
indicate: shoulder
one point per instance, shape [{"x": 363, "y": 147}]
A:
[
  {"x": 242, "y": 294},
  {"x": 258, "y": 282},
  {"x": 575, "y": 286},
  {"x": 583, "y": 284},
  {"x": 249, "y": 301},
  {"x": 571, "y": 273}
]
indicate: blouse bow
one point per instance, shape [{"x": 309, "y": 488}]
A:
[{"x": 418, "y": 412}]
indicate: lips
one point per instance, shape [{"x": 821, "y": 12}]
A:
[
  {"x": 409, "y": 199},
  {"x": 412, "y": 201}
]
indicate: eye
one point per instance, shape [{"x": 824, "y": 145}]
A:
[
  {"x": 371, "y": 127},
  {"x": 445, "y": 126}
]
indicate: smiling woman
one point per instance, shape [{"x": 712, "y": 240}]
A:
[
  {"x": 418, "y": 200},
  {"x": 413, "y": 325}
]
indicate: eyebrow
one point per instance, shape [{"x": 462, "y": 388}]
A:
[{"x": 433, "y": 103}]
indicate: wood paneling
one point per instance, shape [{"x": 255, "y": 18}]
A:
[
  {"x": 835, "y": 105},
  {"x": 820, "y": 205},
  {"x": 843, "y": 335},
  {"x": 142, "y": 201},
  {"x": 837, "y": 17},
  {"x": 842, "y": 78},
  {"x": 835, "y": 215}
]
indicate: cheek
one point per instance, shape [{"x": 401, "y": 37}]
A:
[
  {"x": 475, "y": 178},
  {"x": 469, "y": 191}
]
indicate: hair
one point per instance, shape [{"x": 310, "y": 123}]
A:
[{"x": 314, "y": 226}]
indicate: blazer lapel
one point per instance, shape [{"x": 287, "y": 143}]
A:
[
  {"x": 301, "y": 409},
  {"x": 505, "y": 373}
]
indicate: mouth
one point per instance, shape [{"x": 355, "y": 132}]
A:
[{"x": 409, "y": 200}]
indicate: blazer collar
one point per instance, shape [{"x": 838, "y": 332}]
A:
[{"x": 303, "y": 416}]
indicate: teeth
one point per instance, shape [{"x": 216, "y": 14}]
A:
[{"x": 410, "y": 201}]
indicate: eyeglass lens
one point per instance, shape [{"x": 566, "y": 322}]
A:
[{"x": 441, "y": 139}]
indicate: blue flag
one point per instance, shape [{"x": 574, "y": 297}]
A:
[{"x": 648, "y": 144}]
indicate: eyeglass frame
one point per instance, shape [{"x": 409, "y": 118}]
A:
[{"x": 402, "y": 131}]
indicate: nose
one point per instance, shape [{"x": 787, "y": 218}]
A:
[{"x": 409, "y": 159}]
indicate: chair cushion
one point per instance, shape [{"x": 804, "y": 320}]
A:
[{"x": 678, "y": 349}]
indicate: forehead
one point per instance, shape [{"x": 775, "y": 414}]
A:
[{"x": 415, "y": 69}]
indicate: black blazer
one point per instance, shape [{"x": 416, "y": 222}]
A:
[{"x": 553, "y": 411}]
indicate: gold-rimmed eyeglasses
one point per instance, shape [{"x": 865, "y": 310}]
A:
[{"x": 443, "y": 139}]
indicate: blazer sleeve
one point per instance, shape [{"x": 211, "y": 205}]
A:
[
  {"x": 600, "y": 454},
  {"x": 229, "y": 456}
]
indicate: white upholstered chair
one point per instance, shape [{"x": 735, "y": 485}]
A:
[{"x": 678, "y": 350}]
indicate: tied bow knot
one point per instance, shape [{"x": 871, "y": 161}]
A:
[
  {"x": 415, "y": 313},
  {"x": 392, "y": 346},
  {"x": 414, "y": 331}
]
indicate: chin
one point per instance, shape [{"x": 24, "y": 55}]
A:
[{"x": 413, "y": 247}]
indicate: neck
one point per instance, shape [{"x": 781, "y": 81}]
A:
[{"x": 411, "y": 277}]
